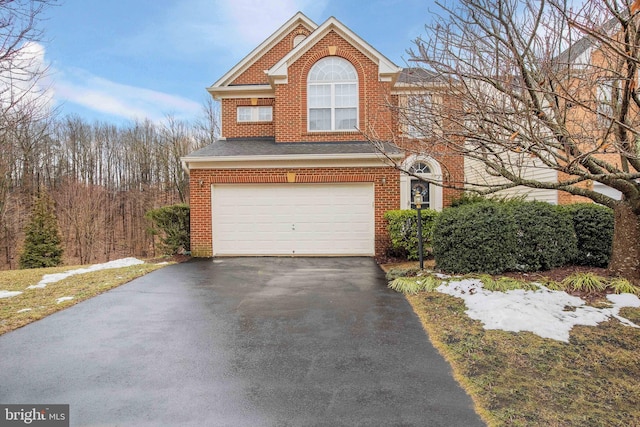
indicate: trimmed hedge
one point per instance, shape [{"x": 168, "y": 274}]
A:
[
  {"x": 497, "y": 236},
  {"x": 593, "y": 225},
  {"x": 494, "y": 237},
  {"x": 545, "y": 239},
  {"x": 477, "y": 237},
  {"x": 173, "y": 224},
  {"x": 403, "y": 231}
]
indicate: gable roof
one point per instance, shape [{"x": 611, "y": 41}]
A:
[
  {"x": 578, "y": 53},
  {"x": 297, "y": 19},
  {"x": 387, "y": 70}
]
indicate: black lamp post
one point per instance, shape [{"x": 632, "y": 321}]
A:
[{"x": 417, "y": 200}]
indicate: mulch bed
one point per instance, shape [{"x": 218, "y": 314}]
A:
[{"x": 556, "y": 274}]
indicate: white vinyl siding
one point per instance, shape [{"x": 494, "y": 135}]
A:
[{"x": 475, "y": 173}]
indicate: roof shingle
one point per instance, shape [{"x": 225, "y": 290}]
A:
[{"x": 243, "y": 147}]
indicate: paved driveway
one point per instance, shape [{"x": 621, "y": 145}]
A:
[{"x": 238, "y": 342}]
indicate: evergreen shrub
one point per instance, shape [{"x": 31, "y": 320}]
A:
[
  {"x": 42, "y": 244},
  {"x": 593, "y": 225},
  {"x": 403, "y": 231},
  {"x": 545, "y": 237},
  {"x": 171, "y": 223},
  {"x": 477, "y": 237}
]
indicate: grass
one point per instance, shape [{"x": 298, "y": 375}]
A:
[
  {"x": 34, "y": 304},
  {"x": 521, "y": 379},
  {"x": 588, "y": 283},
  {"x": 412, "y": 285}
]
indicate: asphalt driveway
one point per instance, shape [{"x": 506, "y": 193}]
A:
[{"x": 238, "y": 342}]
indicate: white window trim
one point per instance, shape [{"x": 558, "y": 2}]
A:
[
  {"x": 431, "y": 102},
  {"x": 255, "y": 113},
  {"x": 332, "y": 85},
  {"x": 435, "y": 191}
]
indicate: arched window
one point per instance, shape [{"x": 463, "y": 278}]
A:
[
  {"x": 422, "y": 171},
  {"x": 420, "y": 167},
  {"x": 332, "y": 95}
]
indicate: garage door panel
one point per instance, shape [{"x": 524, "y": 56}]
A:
[{"x": 293, "y": 219}]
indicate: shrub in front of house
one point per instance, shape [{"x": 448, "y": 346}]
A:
[
  {"x": 545, "y": 237},
  {"x": 403, "y": 231},
  {"x": 593, "y": 225},
  {"x": 477, "y": 237},
  {"x": 172, "y": 224}
]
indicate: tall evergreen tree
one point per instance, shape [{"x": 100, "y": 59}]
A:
[{"x": 42, "y": 246}]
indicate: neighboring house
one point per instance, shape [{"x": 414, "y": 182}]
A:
[
  {"x": 293, "y": 173},
  {"x": 591, "y": 77}
]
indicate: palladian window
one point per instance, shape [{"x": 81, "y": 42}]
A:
[{"x": 332, "y": 95}]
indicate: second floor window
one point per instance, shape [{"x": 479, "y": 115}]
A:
[
  {"x": 255, "y": 114},
  {"x": 332, "y": 95},
  {"x": 420, "y": 116}
]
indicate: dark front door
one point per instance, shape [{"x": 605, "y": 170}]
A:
[{"x": 421, "y": 187}]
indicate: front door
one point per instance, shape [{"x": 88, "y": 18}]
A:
[{"x": 418, "y": 186}]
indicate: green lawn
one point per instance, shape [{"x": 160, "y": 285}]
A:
[{"x": 34, "y": 304}]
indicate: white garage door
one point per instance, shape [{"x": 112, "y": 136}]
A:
[{"x": 293, "y": 219}]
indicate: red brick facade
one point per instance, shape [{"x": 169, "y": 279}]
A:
[
  {"x": 385, "y": 180},
  {"x": 289, "y": 101}
]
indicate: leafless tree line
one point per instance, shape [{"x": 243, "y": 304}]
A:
[{"x": 102, "y": 177}]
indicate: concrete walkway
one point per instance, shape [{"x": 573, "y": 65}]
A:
[{"x": 239, "y": 342}]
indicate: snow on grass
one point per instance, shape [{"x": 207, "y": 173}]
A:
[
  {"x": 9, "y": 294},
  {"x": 52, "y": 278},
  {"x": 547, "y": 313},
  {"x": 63, "y": 299}
]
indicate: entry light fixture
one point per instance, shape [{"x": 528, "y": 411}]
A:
[{"x": 417, "y": 199}]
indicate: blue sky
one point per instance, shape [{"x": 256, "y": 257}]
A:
[{"x": 116, "y": 60}]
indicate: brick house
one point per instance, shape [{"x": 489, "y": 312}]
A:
[{"x": 293, "y": 172}]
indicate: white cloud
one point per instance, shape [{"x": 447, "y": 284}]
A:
[
  {"x": 254, "y": 20},
  {"x": 116, "y": 99},
  {"x": 187, "y": 30},
  {"x": 194, "y": 27},
  {"x": 23, "y": 79}
]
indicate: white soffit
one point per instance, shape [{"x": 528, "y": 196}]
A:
[
  {"x": 275, "y": 38},
  {"x": 386, "y": 69}
]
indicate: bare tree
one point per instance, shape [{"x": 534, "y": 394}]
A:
[
  {"x": 538, "y": 88},
  {"x": 21, "y": 61},
  {"x": 207, "y": 126}
]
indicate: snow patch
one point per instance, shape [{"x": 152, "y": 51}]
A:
[
  {"x": 63, "y": 299},
  {"x": 547, "y": 313},
  {"x": 9, "y": 294},
  {"x": 56, "y": 277},
  {"x": 24, "y": 310}
]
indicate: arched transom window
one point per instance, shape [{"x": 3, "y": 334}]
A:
[
  {"x": 420, "y": 167},
  {"x": 332, "y": 95}
]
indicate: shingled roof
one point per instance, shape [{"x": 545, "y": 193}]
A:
[
  {"x": 416, "y": 75},
  {"x": 256, "y": 147}
]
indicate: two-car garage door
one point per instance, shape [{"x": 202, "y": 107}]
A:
[{"x": 293, "y": 219}]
